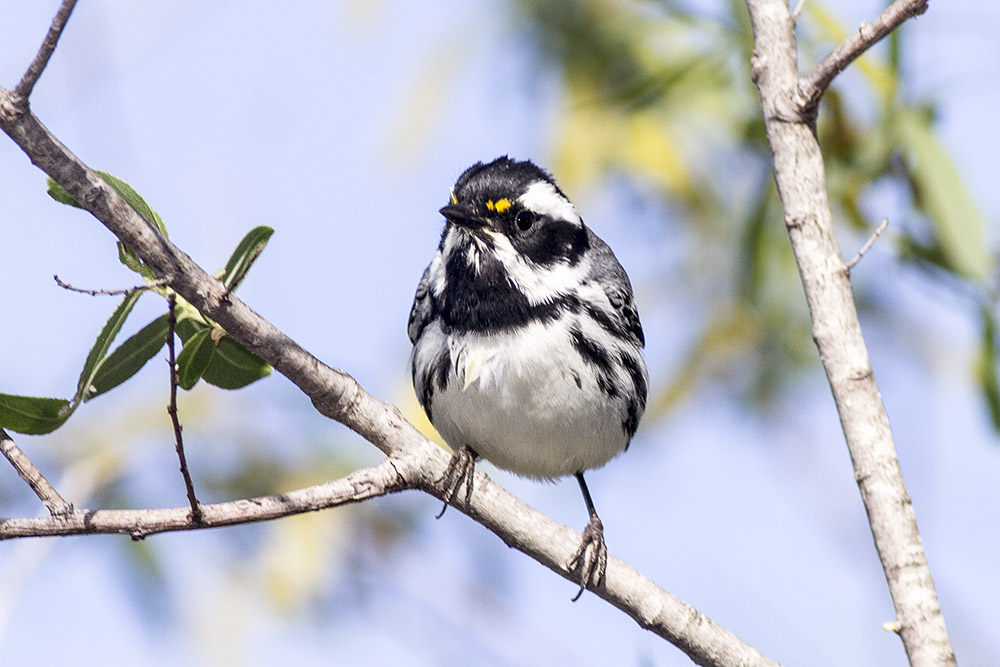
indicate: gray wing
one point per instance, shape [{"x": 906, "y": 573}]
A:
[
  {"x": 608, "y": 272},
  {"x": 423, "y": 308}
]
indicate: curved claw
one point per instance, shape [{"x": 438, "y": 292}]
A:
[
  {"x": 591, "y": 559},
  {"x": 461, "y": 469}
]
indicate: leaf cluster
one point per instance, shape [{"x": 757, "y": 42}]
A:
[{"x": 208, "y": 353}]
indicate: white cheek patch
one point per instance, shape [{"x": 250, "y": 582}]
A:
[
  {"x": 542, "y": 198},
  {"x": 538, "y": 284}
]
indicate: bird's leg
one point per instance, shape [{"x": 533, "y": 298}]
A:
[
  {"x": 591, "y": 559},
  {"x": 460, "y": 470}
]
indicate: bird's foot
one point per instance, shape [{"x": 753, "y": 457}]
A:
[
  {"x": 591, "y": 559},
  {"x": 460, "y": 470}
]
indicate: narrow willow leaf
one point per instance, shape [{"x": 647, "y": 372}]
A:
[
  {"x": 103, "y": 343},
  {"x": 126, "y": 191},
  {"x": 132, "y": 261},
  {"x": 129, "y": 357},
  {"x": 194, "y": 358},
  {"x": 188, "y": 327},
  {"x": 33, "y": 414},
  {"x": 233, "y": 366},
  {"x": 939, "y": 190},
  {"x": 134, "y": 199},
  {"x": 59, "y": 193},
  {"x": 247, "y": 251},
  {"x": 988, "y": 368}
]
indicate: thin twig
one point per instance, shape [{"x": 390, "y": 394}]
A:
[
  {"x": 37, "y": 66},
  {"x": 868, "y": 244},
  {"x": 798, "y": 10},
  {"x": 196, "y": 513},
  {"x": 813, "y": 85},
  {"x": 47, "y": 493},
  {"x": 138, "y": 523},
  {"x": 108, "y": 292}
]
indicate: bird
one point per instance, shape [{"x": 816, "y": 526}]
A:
[{"x": 527, "y": 344}]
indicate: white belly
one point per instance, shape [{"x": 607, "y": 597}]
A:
[{"x": 527, "y": 403}]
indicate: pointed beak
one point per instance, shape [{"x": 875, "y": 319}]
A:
[{"x": 463, "y": 216}]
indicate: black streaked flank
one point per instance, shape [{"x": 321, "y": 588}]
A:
[
  {"x": 632, "y": 416},
  {"x": 589, "y": 351},
  {"x": 442, "y": 369},
  {"x": 597, "y": 356},
  {"x": 635, "y": 372}
]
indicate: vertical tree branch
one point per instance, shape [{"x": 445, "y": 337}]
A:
[
  {"x": 798, "y": 172},
  {"x": 196, "y": 515}
]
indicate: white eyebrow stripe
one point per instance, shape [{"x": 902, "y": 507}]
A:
[{"x": 542, "y": 198}]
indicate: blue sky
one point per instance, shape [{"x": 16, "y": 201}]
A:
[{"x": 342, "y": 125}]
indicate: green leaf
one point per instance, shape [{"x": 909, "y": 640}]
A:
[
  {"x": 59, "y": 193},
  {"x": 102, "y": 344},
  {"x": 129, "y": 357},
  {"x": 134, "y": 199},
  {"x": 988, "y": 368},
  {"x": 126, "y": 191},
  {"x": 194, "y": 358},
  {"x": 244, "y": 256},
  {"x": 233, "y": 366},
  {"x": 132, "y": 261},
  {"x": 32, "y": 414},
  {"x": 940, "y": 192}
]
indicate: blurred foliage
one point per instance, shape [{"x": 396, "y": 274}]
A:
[{"x": 661, "y": 92}]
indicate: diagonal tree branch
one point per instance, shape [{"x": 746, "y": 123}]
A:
[
  {"x": 799, "y": 174},
  {"x": 27, "y": 83},
  {"x": 813, "y": 85},
  {"x": 47, "y": 493}
]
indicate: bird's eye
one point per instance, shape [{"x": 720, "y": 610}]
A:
[{"x": 524, "y": 220}]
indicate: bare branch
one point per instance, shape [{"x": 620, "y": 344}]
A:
[
  {"x": 47, "y": 493},
  {"x": 868, "y": 244},
  {"x": 196, "y": 515},
  {"x": 107, "y": 292},
  {"x": 799, "y": 174},
  {"x": 27, "y": 83},
  {"x": 355, "y": 487},
  {"x": 813, "y": 85}
]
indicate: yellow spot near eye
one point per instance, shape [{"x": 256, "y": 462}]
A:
[
  {"x": 490, "y": 205},
  {"x": 454, "y": 199},
  {"x": 502, "y": 205}
]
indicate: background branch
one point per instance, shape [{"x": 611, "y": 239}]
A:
[
  {"x": 799, "y": 174},
  {"x": 812, "y": 86}
]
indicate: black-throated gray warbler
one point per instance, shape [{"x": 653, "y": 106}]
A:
[{"x": 526, "y": 339}]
